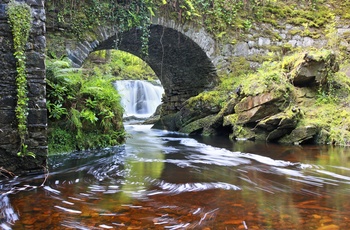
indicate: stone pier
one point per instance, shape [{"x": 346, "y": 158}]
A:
[{"x": 37, "y": 117}]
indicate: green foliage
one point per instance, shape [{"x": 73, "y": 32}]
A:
[
  {"x": 61, "y": 140},
  {"x": 122, "y": 65},
  {"x": 333, "y": 118},
  {"x": 24, "y": 151},
  {"x": 269, "y": 77},
  {"x": 228, "y": 18},
  {"x": 19, "y": 16},
  {"x": 85, "y": 105}
]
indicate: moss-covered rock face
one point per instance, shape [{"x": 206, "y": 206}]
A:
[
  {"x": 301, "y": 99},
  {"x": 301, "y": 135},
  {"x": 314, "y": 69}
]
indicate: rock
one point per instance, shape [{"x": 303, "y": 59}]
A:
[
  {"x": 300, "y": 135},
  {"x": 200, "y": 126},
  {"x": 323, "y": 137},
  {"x": 230, "y": 119},
  {"x": 305, "y": 96},
  {"x": 168, "y": 122},
  {"x": 155, "y": 116},
  {"x": 253, "y": 108},
  {"x": 242, "y": 133},
  {"x": 280, "y": 124},
  {"x": 241, "y": 49},
  {"x": 229, "y": 108},
  {"x": 314, "y": 69},
  {"x": 195, "y": 109}
]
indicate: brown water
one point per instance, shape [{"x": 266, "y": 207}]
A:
[{"x": 162, "y": 180}]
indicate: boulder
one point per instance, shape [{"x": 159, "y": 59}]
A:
[
  {"x": 201, "y": 126},
  {"x": 300, "y": 135},
  {"x": 254, "y": 108},
  {"x": 242, "y": 133},
  {"x": 280, "y": 124},
  {"x": 195, "y": 109},
  {"x": 314, "y": 69},
  {"x": 167, "y": 122}
]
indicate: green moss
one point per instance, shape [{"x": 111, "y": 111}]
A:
[
  {"x": 211, "y": 99},
  {"x": 332, "y": 118},
  {"x": 295, "y": 31},
  {"x": 230, "y": 119},
  {"x": 19, "y": 16},
  {"x": 242, "y": 133}
]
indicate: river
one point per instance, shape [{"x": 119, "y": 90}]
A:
[{"x": 166, "y": 180}]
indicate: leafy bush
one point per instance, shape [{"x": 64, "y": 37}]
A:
[{"x": 82, "y": 106}]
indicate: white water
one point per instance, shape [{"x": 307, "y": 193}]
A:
[{"x": 139, "y": 98}]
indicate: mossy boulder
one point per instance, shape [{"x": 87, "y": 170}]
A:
[
  {"x": 168, "y": 122},
  {"x": 242, "y": 133},
  {"x": 314, "y": 69},
  {"x": 301, "y": 99},
  {"x": 301, "y": 135},
  {"x": 201, "y": 126},
  {"x": 198, "y": 107},
  {"x": 280, "y": 124}
]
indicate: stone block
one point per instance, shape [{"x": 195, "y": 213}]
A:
[
  {"x": 7, "y": 116},
  {"x": 40, "y": 44},
  {"x": 9, "y": 137},
  {"x": 7, "y": 102},
  {"x": 37, "y": 116},
  {"x": 39, "y": 103},
  {"x": 35, "y": 59},
  {"x": 36, "y": 89}
]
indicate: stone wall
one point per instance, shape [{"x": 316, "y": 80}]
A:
[
  {"x": 256, "y": 43},
  {"x": 37, "y": 117}
]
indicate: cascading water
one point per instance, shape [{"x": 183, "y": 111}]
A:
[{"x": 139, "y": 98}]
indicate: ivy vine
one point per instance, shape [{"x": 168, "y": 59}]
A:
[{"x": 19, "y": 17}]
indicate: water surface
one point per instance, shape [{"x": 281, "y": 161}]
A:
[{"x": 165, "y": 180}]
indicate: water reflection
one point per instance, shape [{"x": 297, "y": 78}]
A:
[
  {"x": 164, "y": 180},
  {"x": 7, "y": 215}
]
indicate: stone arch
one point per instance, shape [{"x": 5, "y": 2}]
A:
[{"x": 182, "y": 66}]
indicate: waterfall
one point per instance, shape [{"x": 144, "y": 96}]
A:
[{"x": 139, "y": 98}]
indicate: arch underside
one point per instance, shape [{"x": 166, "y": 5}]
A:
[{"x": 181, "y": 65}]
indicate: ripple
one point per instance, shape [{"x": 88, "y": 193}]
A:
[
  {"x": 68, "y": 210},
  {"x": 171, "y": 188}
]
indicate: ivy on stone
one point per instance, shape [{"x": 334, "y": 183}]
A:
[{"x": 19, "y": 17}]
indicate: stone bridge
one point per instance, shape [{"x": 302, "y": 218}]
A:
[
  {"x": 183, "y": 61},
  {"x": 185, "y": 58}
]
